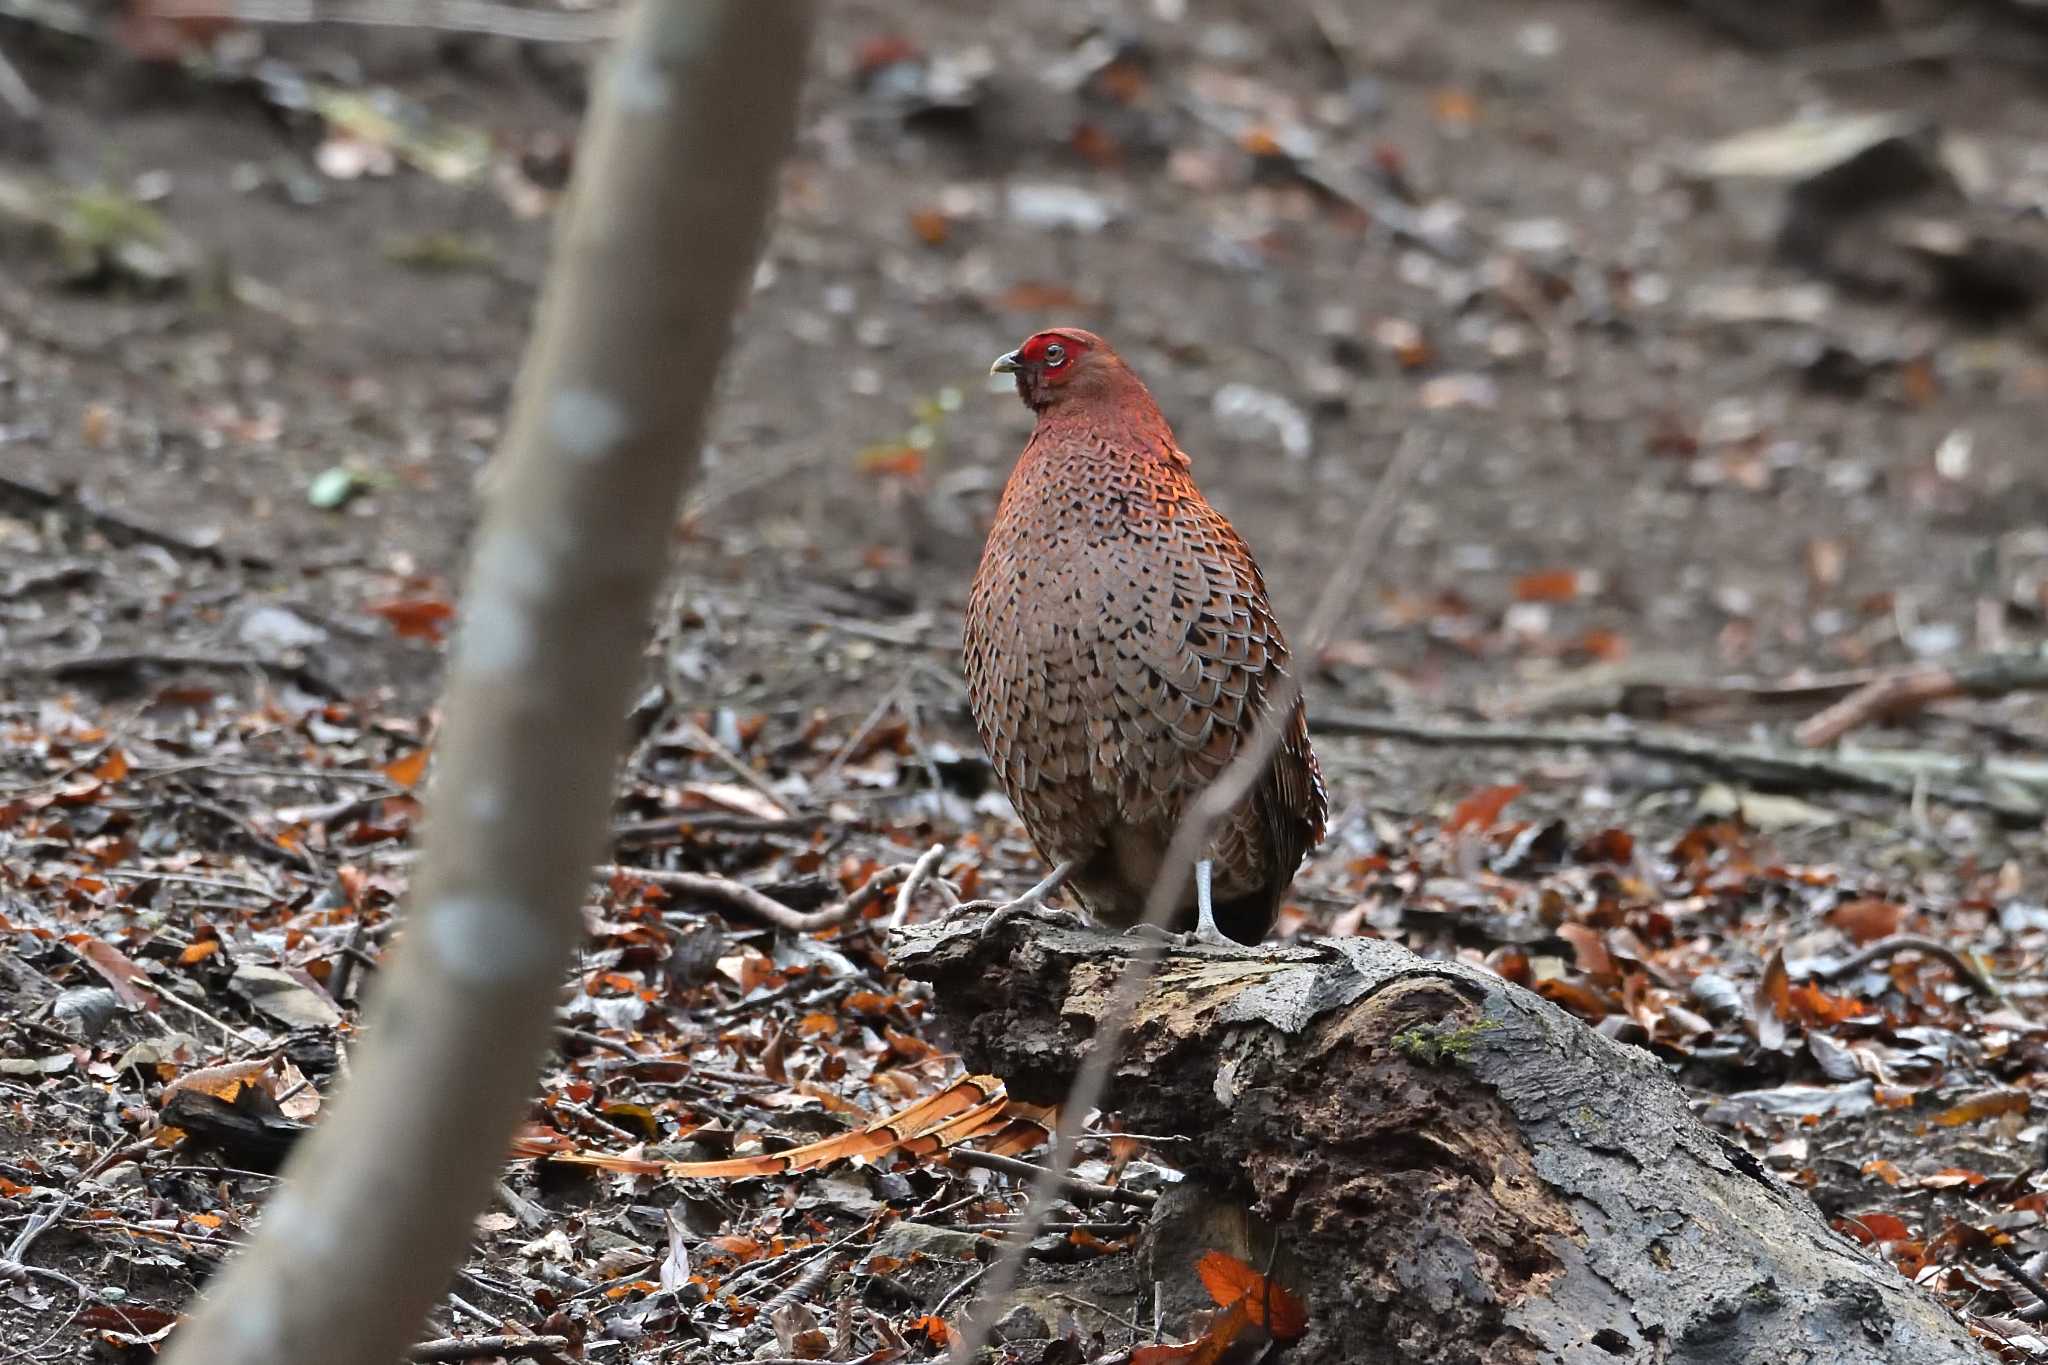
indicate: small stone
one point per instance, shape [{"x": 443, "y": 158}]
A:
[
  {"x": 1250, "y": 414},
  {"x": 86, "y": 1010},
  {"x": 276, "y": 629},
  {"x": 1047, "y": 205},
  {"x": 905, "y": 1239},
  {"x": 1021, "y": 1323}
]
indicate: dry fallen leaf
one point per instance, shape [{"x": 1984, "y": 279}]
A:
[{"x": 1482, "y": 808}]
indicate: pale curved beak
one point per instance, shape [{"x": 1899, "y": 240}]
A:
[{"x": 1006, "y": 364}]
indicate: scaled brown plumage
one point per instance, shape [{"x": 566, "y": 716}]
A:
[{"x": 1119, "y": 647}]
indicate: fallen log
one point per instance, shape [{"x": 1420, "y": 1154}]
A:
[{"x": 1455, "y": 1170}]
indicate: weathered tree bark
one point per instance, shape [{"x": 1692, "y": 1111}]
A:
[
  {"x": 652, "y": 256},
  {"x": 1457, "y": 1170}
]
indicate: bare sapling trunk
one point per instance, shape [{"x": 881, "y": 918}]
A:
[{"x": 654, "y": 251}]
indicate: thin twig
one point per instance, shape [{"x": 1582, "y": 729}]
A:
[
  {"x": 2010, "y": 1264},
  {"x": 708, "y": 822},
  {"x": 920, "y": 872},
  {"x": 1069, "y": 1186},
  {"x": 967, "y": 1282},
  {"x": 481, "y": 1348},
  {"x": 1176, "y": 870},
  {"x": 1885, "y": 948},
  {"x": 1903, "y": 691},
  {"x": 1633, "y": 685},
  {"x": 598, "y": 1040},
  {"x": 867, "y": 726},
  {"x": 352, "y": 956},
  {"x": 744, "y": 898},
  {"x": 172, "y": 997},
  {"x": 449, "y": 16},
  {"x": 17, "y": 1252},
  {"x": 1889, "y": 772},
  {"x": 737, "y": 766}
]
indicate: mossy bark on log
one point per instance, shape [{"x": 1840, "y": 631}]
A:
[{"x": 1458, "y": 1170}]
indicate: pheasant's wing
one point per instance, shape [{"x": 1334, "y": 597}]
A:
[
  {"x": 1191, "y": 642},
  {"x": 1032, "y": 686}
]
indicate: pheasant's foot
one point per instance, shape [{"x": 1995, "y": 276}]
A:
[
  {"x": 1050, "y": 915},
  {"x": 1030, "y": 905}
]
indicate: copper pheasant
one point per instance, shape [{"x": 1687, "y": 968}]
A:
[{"x": 1120, "y": 649}]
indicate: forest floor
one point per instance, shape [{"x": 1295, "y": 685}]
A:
[{"x": 260, "y": 313}]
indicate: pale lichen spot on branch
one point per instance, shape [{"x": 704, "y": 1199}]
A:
[
  {"x": 497, "y": 634},
  {"x": 638, "y": 86},
  {"x": 509, "y": 577},
  {"x": 584, "y": 424},
  {"x": 290, "y": 1215},
  {"x": 481, "y": 941},
  {"x": 255, "y": 1329},
  {"x": 485, "y": 803}
]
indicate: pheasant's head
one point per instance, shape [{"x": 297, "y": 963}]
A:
[{"x": 1066, "y": 367}]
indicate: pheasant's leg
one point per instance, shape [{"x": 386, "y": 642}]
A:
[
  {"x": 1031, "y": 904},
  {"x": 1205, "y": 910},
  {"x": 1205, "y": 917}
]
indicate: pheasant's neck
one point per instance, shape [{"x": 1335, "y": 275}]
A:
[{"x": 1086, "y": 442}]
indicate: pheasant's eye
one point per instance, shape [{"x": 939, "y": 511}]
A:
[{"x": 1055, "y": 356}]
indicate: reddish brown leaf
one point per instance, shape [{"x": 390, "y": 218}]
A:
[
  {"x": 891, "y": 462},
  {"x": 1815, "y": 1006},
  {"x": 415, "y": 618},
  {"x": 1552, "y": 585},
  {"x": 1094, "y": 144},
  {"x": 1872, "y": 1228},
  {"x": 903, "y": 1045},
  {"x": 1977, "y": 1108},
  {"x": 741, "y": 1249},
  {"x": 1455, "y": 106},
  {"x": 1771, "y": 1010},
  {"x": 124, "y": 1317},
  {"x": 1227, "y": 1278},
  {"x": 407, "y": 770},
  {"x": 1588, "y": 949},
  {"x": 1482, "y": 808},
  {"x": 116, "y": 967},
  {"x": 222, "y": 1082},
  {"x": 1231, "y": 1282},
  {"x": 1165, "y": 1355},
  {"x": 933, "y": 1329},
  {"x": 1603, "y": 646},
  {"x": 1865, "y": 920},
  {"x": 1581, "y": 1000},
  {"x": 1608, "y": 846},
  {"x": 1034, "y": 296}
]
